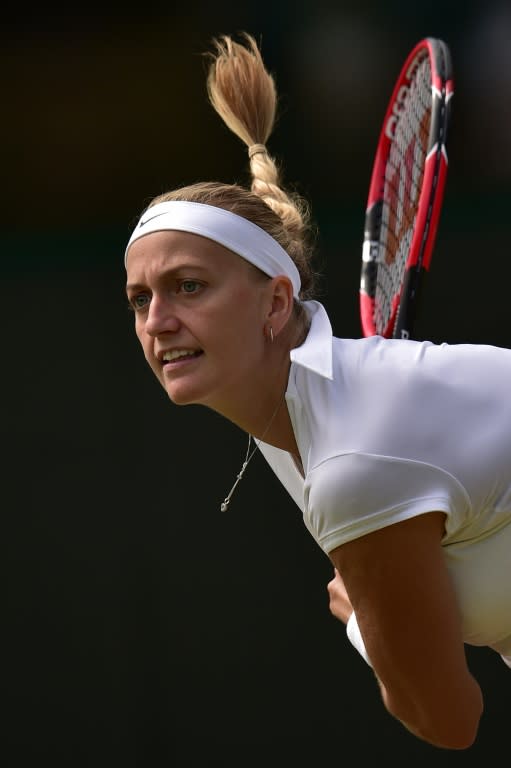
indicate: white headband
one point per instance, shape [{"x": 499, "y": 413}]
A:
[{"x": 230, "y": 230}]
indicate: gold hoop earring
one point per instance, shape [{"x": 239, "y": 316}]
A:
[{"x": 271, "y": 334}]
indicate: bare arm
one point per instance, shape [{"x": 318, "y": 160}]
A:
[{"x": 407, "y": 611}]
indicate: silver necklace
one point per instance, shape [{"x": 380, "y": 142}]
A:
[{"x": 225, "y": 503}]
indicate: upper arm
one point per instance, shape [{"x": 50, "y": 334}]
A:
[{"x": 408, "y": 614}]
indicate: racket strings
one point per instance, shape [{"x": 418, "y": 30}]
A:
[{"x": 402, "y": 185}]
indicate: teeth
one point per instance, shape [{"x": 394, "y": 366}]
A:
[{"x": 175, "y": 353}]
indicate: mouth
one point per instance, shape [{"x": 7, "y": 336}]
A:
[{"x": 176, "y": 357}]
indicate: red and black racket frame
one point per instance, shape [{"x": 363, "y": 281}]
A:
[{"x": 418, "y": 261}]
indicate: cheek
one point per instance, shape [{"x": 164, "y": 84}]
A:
[
  {"x": 244, "y": 339},
  {"x": 150, "y": 359},
  {"x": 142, "y": 341},
  {"x": 145, "y": 342},
  {"x": 243, "y": 317}
]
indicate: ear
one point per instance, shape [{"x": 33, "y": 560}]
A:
[{"x": 280, "y": 302}]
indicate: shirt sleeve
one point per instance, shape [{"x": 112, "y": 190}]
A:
[{"x": 350, "y": 495}]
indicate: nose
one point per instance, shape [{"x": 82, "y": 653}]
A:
[{"x": 161, "y": 317}]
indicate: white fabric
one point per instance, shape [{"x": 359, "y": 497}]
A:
[
  {"x": 355, "y": 637},
  {"x": 234, "y": 232},
  {"x": 389, "y": 429}
]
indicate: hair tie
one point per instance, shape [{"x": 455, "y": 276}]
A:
[{"x": 256, "y": 149}]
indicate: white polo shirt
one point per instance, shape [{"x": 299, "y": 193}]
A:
[{"x": 389, "y": 429}]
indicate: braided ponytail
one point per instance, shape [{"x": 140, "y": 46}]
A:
[{"x": 243, "y": 93}]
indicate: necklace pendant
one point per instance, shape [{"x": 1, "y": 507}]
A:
[{"x": 248, "y": 457}]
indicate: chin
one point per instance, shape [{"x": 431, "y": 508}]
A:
[
  {"x": 183, "y": 396},
  {"x": 189, "y": 396},
  {"x": 180, "y": 398}
]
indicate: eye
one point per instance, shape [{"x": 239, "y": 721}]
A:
[
  {"x": 190, "y": 286},
  {"x": 138, "y": 301}
]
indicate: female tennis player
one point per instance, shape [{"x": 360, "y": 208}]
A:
[{"x": 397, "y": 452}]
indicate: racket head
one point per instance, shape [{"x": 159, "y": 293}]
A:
[{"x": 406, "y": 191}]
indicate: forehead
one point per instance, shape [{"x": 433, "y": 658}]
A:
[{"x": 169, "y": 251}]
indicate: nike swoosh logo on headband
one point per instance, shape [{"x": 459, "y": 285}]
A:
[{"x": 150, "y": 218}]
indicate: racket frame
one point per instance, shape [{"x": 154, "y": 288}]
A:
[{"x": 404, "y": 302}]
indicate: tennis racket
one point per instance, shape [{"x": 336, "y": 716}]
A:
[{"x": 406, "y": 192}]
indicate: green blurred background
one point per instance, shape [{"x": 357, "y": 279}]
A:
[{"x": 143, "y": 627}]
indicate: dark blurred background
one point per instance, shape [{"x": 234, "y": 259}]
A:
[{"x": 142, "y": 626}]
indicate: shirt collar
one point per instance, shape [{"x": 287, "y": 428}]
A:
[{"x": 316, "y": 351}]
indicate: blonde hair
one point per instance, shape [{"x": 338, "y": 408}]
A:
[{"x": 243, "y": 93}]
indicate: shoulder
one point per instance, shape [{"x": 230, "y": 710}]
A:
[
  {"x": 419, "y": 359},
  {"x": 355, "y": 493}
]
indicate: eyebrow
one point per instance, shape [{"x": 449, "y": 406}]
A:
[
  {"x": 172, "y": 271},
  {"x": 133, "y": 287}
]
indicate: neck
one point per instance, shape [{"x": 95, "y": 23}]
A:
[
  {"x": 260, "y": 408},
  {"x": 265, "y": 415},
  {"x": 271, "y": 426}
]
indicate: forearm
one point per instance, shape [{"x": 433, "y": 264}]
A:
[
  {"x": 355, "y": 638},
  {"x": 459, "y": 733},
  {"x": 412, "y": 729},
  {"x": 456, "y": 735}
]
